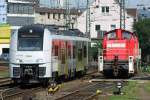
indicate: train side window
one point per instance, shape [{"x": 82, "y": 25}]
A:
[
  {"x": 80, "y": 54},
  {"x": 63, "y": 58},
  {"x": 69, "y": 52},
  {"x": 85, "y": 52},
  {"x": 111, "y": 35},
  {"x": 74, "y": 51},
  {"x": 126, "y": 35},
  {"x": 56, "y": 50}
]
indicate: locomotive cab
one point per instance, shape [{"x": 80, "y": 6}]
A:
[{"x": 120, "y": 52}]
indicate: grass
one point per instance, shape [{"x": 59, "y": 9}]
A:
[
  {"x": 4, "y": 74},
  {"x": 130, "y": 92},
  {"x": 147, "y": 87}
]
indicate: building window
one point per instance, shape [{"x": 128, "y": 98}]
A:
[
  {"x": 41, "y": 13},
  {"x": 64, "y": 16},
  {"x": 48, "y": 15},
  {"x": 5, "y": 50},
  {"x": 97, "y": 27},
  {"x": 100, "y": 34},
  {"x": 105, "y": 9},
  {"x": 59, "y": 16},
  {"x": 3, "y": 19},
  {"x": 113, "y": 27},
  {"x": 54, "y": 16},
  {"x": 20, "y": 9}
]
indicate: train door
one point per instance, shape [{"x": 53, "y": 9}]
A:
[
  {"x": 79, "y": 56},
  {"x": 70, "y": 58},
  {"x": 85, "y": 47},
  {"x": 74, "y": 56},
  {"x": 63, "y": 67},
  {"x": 55, "y": 57}
]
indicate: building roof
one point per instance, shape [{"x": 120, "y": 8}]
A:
[
  {"x": 29, "y": 0},
  {"x": 16, "y": 1},
  {"x": 132, "y": 12},
  {"x": 143, "y": 13},
  {"x": 55, "y": 10}
]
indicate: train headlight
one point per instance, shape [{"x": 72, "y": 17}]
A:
[
  {"x": 39, "y": 60},
  {"x": 18, "y": 60}
]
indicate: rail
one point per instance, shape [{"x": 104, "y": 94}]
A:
[
  {"x": 86, "y": 93},
  {"x": 5, "y": 81},
  {"x": 16, "y": 92}
]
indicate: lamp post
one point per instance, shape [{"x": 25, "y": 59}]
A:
[{"x": 118, "y": 86}]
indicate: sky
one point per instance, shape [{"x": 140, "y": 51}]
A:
[{"x": 82, "y": 3}]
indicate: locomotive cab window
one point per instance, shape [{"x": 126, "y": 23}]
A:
[
  {"x": 111, "y": 35},
  {"x": 126, "y": 35}
]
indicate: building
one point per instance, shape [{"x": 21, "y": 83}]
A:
[
  {"x": 13, "y": 15},
  {"x": 133, "y": 12},
  {"x": 104, "y": 16},
  {"x": 5, "y": 32},
  {"x": 51, "y": 16},
  {"x": 4, "y": 29},
  {"x": 143, "y": 13},
  {"x": 20, "y": 12},
  {"x": 3, "y": 12}
]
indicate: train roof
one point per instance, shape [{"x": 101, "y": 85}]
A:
[
  {"x": 36, "y": 28},
  {"x": 120, "y": 29}
]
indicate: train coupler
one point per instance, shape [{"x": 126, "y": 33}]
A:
[
  {"x": 115, "y": 66},
  {"x": 115, "y": 72}
]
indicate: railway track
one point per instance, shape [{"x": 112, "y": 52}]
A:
[
  {"x": 86, "y": 93},
  {"x": 4, "y": 63},
  {"x": 17, "y": 93},
  {"x": 5, "y": 81}
]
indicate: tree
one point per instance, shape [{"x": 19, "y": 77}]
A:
[{"x": 142, "y": 28}]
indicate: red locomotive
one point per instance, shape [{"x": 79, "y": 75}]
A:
[{"x": 120, "y": 53}]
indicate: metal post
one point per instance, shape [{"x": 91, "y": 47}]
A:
[
  {"x": 122, "y": 14},
  {"x": 68, "y": 16},
  {"x": 88, "y": 24}
]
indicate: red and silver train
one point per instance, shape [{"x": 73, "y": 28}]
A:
[
  {"x": 120, "y": 53},
  {"x": 41, "y": 54}
]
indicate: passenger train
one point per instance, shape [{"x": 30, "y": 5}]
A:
[
  {"x": 120, "y": 54},
  {"x": 40, "y": 54}
]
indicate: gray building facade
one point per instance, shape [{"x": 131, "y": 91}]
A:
[{"x": 20, "y": 12}]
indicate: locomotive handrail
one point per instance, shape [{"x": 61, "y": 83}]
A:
[{"x": 101, "y": 51}]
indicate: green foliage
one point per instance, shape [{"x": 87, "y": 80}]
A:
[
  {"x": 98, "y": 44},
  {"x": 145, "y": 69},
  {"x": 94, "y": 49},
  {"x": 147, "y": 87},
  {"x": 142, "y": 28}
]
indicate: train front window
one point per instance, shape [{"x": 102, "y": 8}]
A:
[
  {"x": 30, "y": 44},
  {"x": 111, "y": 35},
  {"x": 126, "y": 35}
]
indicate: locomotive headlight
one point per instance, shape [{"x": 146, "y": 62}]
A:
[{"x": 39, "y": 60}]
